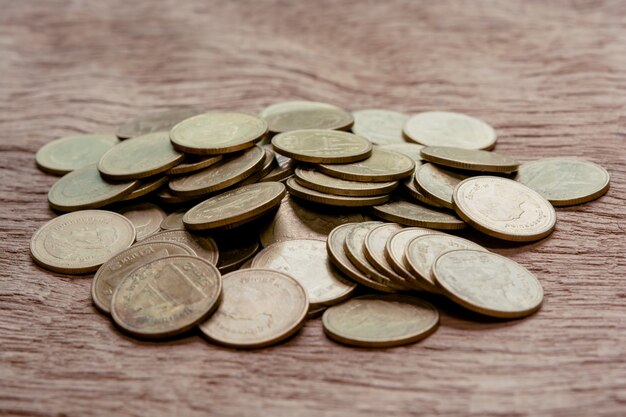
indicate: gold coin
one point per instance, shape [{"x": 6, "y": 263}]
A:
[
  {"x": 437, "y": 183},
  {"x": 504, "y": 209},
  {"x": 322, "y": 146},
  {"x": 145, "y": 217},
  {"x": 488, "y": 283},
  {"x": 166, "y": 197},
  {"x": 308, "y": 194},
  {"x": 67, "y": 154},
  {"x": 374, "y": 250},
  {"x": 409, "y": 188},
  {"x": 145, "y": 187},
  {"x": 268, "y": 165},
  {"x": 565, "y": 181},
  {"x": 381, "y": 127},
  {"x": 78, "y": 243},
  {"x": 442, "y": 128},
  {"x": 260, "y": 307},
  {"x": 278, "y": 174},
  {"x": 174, "y": 221},
  {"x": 307, "y": 262},
  {"x": 296, "y": 115},
  {"x": 383, "y": 165},
  {"x": 378, "y": 321},
  {"x": 469, "y": 159},
  {"x": 236, "y": 250},
  {"x": 315, "y": 313},
  {"x": 315, "y": 180},
  {"x": 203, "y": 246},
  {"x": 411, "y": 214},
  {"x": 235, "y": 207},
  {"x": 412, "y": 150},
  {"x": 166, "y": 296},
  {"x": 113, "y": 271},
  {"x": 222, "y": 175},
  {"x": 84, "y": 188},
  {"x": 154, "y": 122},
  {"x": 193, "y": 163},
  {"x": 218, "y": 133}
]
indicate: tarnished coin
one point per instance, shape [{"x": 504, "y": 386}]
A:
[
  {"x": 565, "y": 181},
  {"x": 217, "y": 133},
  {"x": 296, "y": 190},
  {"x": 67, "y": 154},
  {"x": 236, "y": 250},
  {"x": 193, "y": 163},
  {"x": 166, "y": 296},
  {"x": 381, "y": 127},
  {"x": 437, "y": 183},
  {"x": 381, "y": 321},
  {"x": 412, "y": 150},
  {"x": 488, "y": 283},
  {"x": 295, "y": 115},
  {"x": 77, "y": 243},
  {"x": 203, "y": 246},
  {"x": 469, "y": 159},
  {"x": 222, "y": 175},
  {"x": 315, "y": 180},
  {"x": 235, "y": 207},
  {"x": 374, "y": 250},
  {"x": 145, "y": 187},
  {"x": 395, "y": 249},
  {"x": 504, "y": 208},
  {"x": 146, "y": 218},
  {"x": 409, "y": 188},
  {"x": 154, "y": 122},
  {"x": 84, "y": 188},
  {"x": 174, "y": 221},
  {"x": 113, "y": 271},
  {"x": 260, "y": 307},
  {"x": 383, "y": 165},
  {"x": 411, "y": 214},
  {"x": 307, "y": 262},
  {"x": 442, "y": 128},
  {"x": 322, "y": 146}
]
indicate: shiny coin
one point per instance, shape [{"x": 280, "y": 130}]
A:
[
  {"x": 193, "y": 163},
  {"x": 319, "y": 146},
  {"x": 469, "y": 159},
  {"x": 145, "y": 217},
  {"x": 174, "y": 221},
  {"x": 154, "y": 122},
  {"x": 203, "y": 246},
  {"x": 307, "y": 262},
  {"x": 67, "y": 154},
  {"x": 381, "y": 321},
  {"x": 409, "y": 188},
  {"x": 166, "y": 296},
  {"x": 412, "y": 150},
  {"x": 235, "y": 207},
  {"x": 315, "y": 180},
  {"x": 382, "y": 165},
  {"x": 411, "y": 214},
  {"x": 504, "y": 209},
  {"x": 236, "y": 250},
  {"x": 381, "y": 127},
  {"x": 437, "y": 183},
  {"x": 308, "y": 194},
  {"x": 218, "y": 133},
  {"x": 565, "y": 181},
  {"x": 442, "y": 128},
  {"x": 295, "y": 115},
  {"x": 145, "y": 187},
  {"x": 113, "y": 271},
  {"x": 488, "y": 283},
  {"x": 77, "y": 243},
  {"x": 374, "y": 250},
  {"x": 260, "y": 307}
]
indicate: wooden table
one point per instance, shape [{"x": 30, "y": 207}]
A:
[{"x": 549, "y": 76}]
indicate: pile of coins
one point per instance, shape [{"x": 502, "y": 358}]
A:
[{"x": 304, "y": 181}]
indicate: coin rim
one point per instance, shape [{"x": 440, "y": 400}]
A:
[
  {"x": 423, "y": 186},
  {"x": 376, "y": 263},
  {"x": 511, "y": 166},
  {"x": 375, "y": 188},
  {"x": 297, "y": 190},
  {"x": 346, "y": 158},
  {"x": 188, "y": 167},
  {"x": 335, "y": 170},
  {"x": 377, "y": 212}
]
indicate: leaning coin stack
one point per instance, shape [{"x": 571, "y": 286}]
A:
[{"x": 243, "y": 226}]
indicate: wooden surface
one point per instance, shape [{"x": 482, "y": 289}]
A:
[{"x": 549, "y": 76}]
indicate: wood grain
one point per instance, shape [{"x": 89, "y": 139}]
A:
[{"x": 549, "y": 76}]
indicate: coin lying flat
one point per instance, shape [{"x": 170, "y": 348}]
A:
[
  {"x": 235, "y": 207},
  {"x": 67, "y": 154},
  {"x": 260, "y": 307},
  {"x": 218, "y": 133},
  {"x": 469, "y": 159},
  {"x": 296, "y": 190},
  {"x": 236, "y": 250},
  {"x": 504, "y": 208},
  {"x": 145, "y": 187},
  {"x": 315, "y": 180},
  {"x": 166, "y": 296},
  {"x": 193, "y": 163},
  {"x": 322, "y": 146},
  {"x": 295, "y": 115},
  {"x": 203, "y": 246},
  {"x": 174, "y": 221},
  {"x": 145, "y": 217},
  {"x": 488, "y": 283},
  {"x": 410, "y": 214},
  {"x": 307, "y": 262},
  {"x": 84, "y": 188},
  {"x": 381, "y": 321},
  {"x": 409, "y": 188},
  {"x": 442, "y": 128},
  {"x": 374, "y": 249},
  {"x": 381, "y": 127},
  {"x": 437, "y": 183},
  {"x": 565, "y": 181},
  {"x": 113, "y": 271},
  {"x": 383, "y": 165},
  {"x": 77, "y": 243},
  {"x": 153, "y": 122},
  {"x": 412, "y": 150}
]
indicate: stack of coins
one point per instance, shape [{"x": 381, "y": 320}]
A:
[{"x": 245, "y": 226}]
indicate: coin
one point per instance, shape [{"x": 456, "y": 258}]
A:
[
  {"x": 488, "y": 283},
  {"x": 268, "y": 165},
  {"x": 319, "y": 146},
  {"x": 166, "y": 197},
  {"x": 307, "y": 262},
  {"x": 315, "y": 313},
  {"x": 374, "y": 250},
  {"x": 565, "y": 181},
  {"x": 380, "y": 321},
  {"x": 113, "y": 271},
  {"x": 383, "y": 165},
  {"x": 145, "y": 187},
  {"x": 379, "y": 126},
  {"x": 222, "y": 175},
  {"x": 308, "y": 194},
  {"x": 412, "y": 150},
  {"x": 437, "y": 183},
  {"x": 411, "y": 214},
  {"x": 409, "y": 188},
  {"x": 315, "y": 180},
  {"x": 278, "y": 174},
  {"x": 504, "y": 208},
  {"x": 203, "y": 246},
  {"x": 193, "y": 163},
  {"x": 235, "y": 207},
  {"x": 295, "y": 115},
  {"x": 77, "y": 243},
  {"x": 145, "y": 217},
  {"x": 260, "y": 307},
  {"x": 174, "y": 221},
  {"x": 442, "y": 128},
  {"x": 72, "y": 152},
  {"x": 218, "y": 133},
  {"x": 469, "y": 159},
  {"x": 153, "y": 122},
  {"x": 84, "y": 188},
  {"x": 166, "y": 296},
  {"x": 236, "y": 250}
]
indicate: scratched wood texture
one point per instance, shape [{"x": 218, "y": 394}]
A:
[{"x": 549, "y": 76}]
